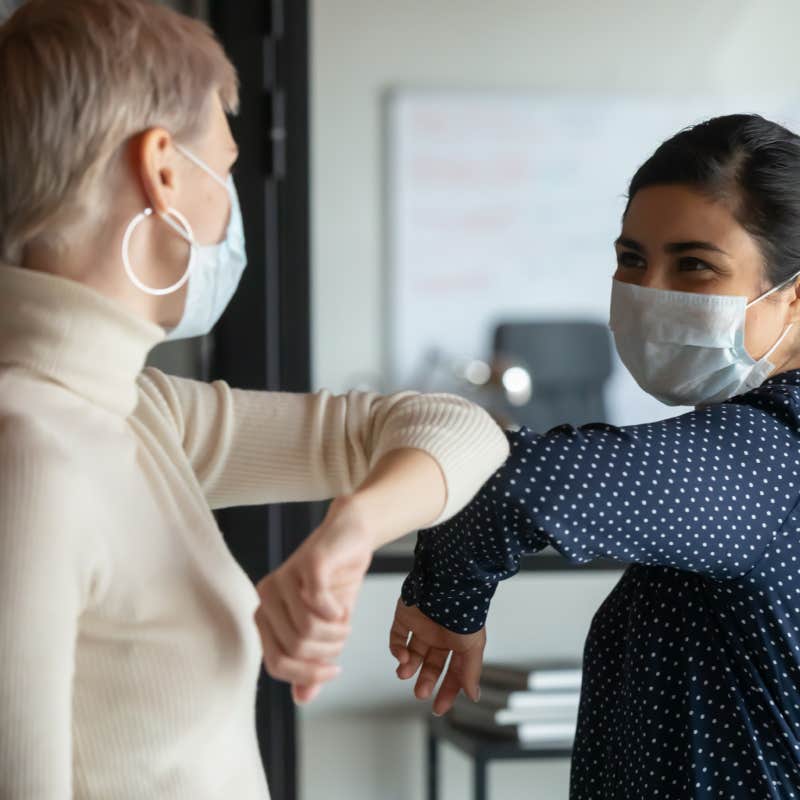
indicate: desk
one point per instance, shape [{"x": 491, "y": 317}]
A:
[{"x": 481, "y": 748}]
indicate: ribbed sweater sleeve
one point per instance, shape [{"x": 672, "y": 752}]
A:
[
  {"x": 250, "y": 447},
  {"x": 44, "y": 582}
]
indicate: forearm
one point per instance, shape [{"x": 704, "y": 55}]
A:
[
  {"x": 458, "y": 564},
  {"x": 405, "y": 490},
  {"x": 457, "y": 567}
]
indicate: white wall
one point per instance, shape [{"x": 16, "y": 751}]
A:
[
  {"x": 352, "y": 748},
  {"x": 363, "y": 47}
]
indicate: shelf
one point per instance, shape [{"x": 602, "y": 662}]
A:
[{"x": 486, "y": 747}]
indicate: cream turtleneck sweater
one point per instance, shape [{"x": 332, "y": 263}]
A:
[{"x": 129, "y": 651}]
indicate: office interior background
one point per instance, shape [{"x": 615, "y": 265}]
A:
[
  {"x": 364, "y": 738},
  {"x": 408, "y": 151}
]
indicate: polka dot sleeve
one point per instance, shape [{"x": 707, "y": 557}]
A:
[{"x": 705, "y": 492}]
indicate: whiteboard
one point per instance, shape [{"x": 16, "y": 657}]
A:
[{"x": 505, "y": 206}]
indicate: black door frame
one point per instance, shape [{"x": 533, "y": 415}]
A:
[{"x": 263, "y": 340}]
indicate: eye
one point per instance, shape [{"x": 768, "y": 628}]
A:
[
  {"x": 629, "y": 259},
  {"x": 690, "y": 264}
]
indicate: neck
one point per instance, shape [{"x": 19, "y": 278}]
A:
[
  {"x": 96, "y": 263},
  {"x": 67, "y": 333}
]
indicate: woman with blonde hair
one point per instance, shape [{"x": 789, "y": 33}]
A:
[{"x": 131, "y": 640}]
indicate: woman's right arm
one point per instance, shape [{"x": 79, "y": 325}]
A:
[
  {"x": 42, "y": 593},
  {"x": 705, "y": 492},
  {"x": 249, "y": 447}
]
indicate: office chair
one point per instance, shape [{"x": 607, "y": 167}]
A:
[{"x": 569, "y": 363}]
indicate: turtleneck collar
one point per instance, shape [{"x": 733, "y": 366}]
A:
[{"x": 71, "y": 334}]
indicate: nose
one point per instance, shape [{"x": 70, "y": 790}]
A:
[
  {"x": 645, "y": 278},
  {"x": 653, "y": 278}
]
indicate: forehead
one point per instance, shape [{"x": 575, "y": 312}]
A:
[{"x": 660, "y": 215}]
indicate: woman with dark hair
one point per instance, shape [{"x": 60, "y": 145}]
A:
[{"x": 691, "y": 681}]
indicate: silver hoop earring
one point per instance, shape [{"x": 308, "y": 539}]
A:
[{"x": 186, "y": 233}]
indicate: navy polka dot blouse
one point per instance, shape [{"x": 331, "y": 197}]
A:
[{"x": 691, "y": 667}]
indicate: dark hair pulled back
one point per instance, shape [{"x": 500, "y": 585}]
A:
[{"x": 749, "y": 163}]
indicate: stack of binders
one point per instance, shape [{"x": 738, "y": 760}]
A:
[{"x": 535, "y": 703}]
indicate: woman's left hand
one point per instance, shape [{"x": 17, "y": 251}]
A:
[
  {"x": 419, "y": 643},
  {"x": 307, "y": 603}
]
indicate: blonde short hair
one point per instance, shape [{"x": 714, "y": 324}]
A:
[{"x": 79, "y": 78}]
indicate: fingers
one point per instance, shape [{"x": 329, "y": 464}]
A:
[
  {"x": 282, "y": 666},
  {"x": 448, "y": 691},
  {"x": 398, "y": 641},
  {"x": 303, "y": 617},
  {"x": 422, "y": 645},
  {"x": 305, "y": 694},
  {"x": 303, "y": 636},
  {"x": 432, "y": 667},
  {"x": 323, "y": 603},
  {"x": 316, "y": 591},
  {"x": 417, "y": 650},
  {"x": 463, "y": 673},
  {"x": 469, "y": 666},
  {"x": 299, "y": 631},
  {"x": 308, "y": 625}
]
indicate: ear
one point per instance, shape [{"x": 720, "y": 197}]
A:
[
  {"x": 154, "y": 162},
  {"x": 794, "y": 302}
]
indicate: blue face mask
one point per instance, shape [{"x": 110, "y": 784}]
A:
[{"x": 214, "y": 270}]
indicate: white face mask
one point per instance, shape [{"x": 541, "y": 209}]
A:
[
  {"x": 213, "y": 271},
  {"x": 685, "y": 348}
]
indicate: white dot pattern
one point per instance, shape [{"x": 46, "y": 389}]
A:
[{"x": 692, "y": 663}]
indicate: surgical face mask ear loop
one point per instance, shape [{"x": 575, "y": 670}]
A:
[
  {"x": 774, "y": 347},
  {"x": 758, "y": 299},
  {"x": 776, "y": 288},
  {"x": 185, "y": 232},
  {"x": 203, "y": 166}
]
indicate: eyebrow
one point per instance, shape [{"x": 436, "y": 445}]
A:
[
  {"x": 673, "y": 247},
  {"x": 631, "y": 244}
]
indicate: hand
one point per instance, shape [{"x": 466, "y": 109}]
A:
[
  {"x": 429, "y": 647},
  {"x": 307, "y": 603}
]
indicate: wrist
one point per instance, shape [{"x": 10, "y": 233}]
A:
[
  {"x": 353, "y": 516},
  {"x": 405, "y": 491}
]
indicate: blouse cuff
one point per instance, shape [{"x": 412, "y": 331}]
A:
[{"x": 461, "y": 608}]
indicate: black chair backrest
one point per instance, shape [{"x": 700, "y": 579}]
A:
[{"x": 569, "y": 363}]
